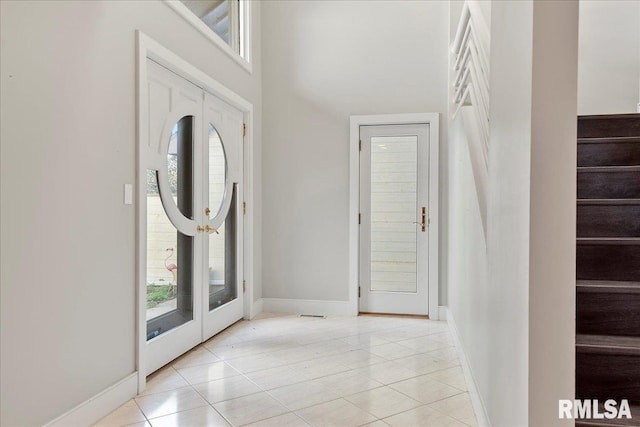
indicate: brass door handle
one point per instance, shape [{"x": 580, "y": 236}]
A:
[
  {"x": 423, "y": 222},
  {"x": 207, "y": 228}
]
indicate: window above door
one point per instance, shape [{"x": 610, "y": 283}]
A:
[{"x": 226, "y": 23}]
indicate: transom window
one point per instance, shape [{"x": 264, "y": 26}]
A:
[
  {"x": 222, "y": 16},
  {"x": 224, "y": 22}
]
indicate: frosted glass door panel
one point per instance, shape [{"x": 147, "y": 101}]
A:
[{"x": 394, "y": 176}]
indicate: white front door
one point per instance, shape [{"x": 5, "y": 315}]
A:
[
  {"x": 394, "y": 219},
  {"x": 193, "y": 240},
  {"x": 222, "y": 255}
]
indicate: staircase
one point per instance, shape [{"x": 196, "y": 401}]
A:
[{"x": 608, "y": 262}]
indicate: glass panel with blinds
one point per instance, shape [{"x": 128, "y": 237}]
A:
[{"x": 223, "y": 17}]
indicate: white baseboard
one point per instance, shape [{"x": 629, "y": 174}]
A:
[
  {"x": 476, "y": 400},
  {"x": 100, "y": 405},
  {"x": 303, "y": 306},
  {"x": 442, "y": 312},
  {"x": 256, "y": 308}
]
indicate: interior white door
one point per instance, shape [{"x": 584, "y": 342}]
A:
[
  {"x": 394, "y": 219},
  {"x": 193, "y": 224}
]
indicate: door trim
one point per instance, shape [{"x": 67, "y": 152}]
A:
[
  {"x": 432, "y": 119},
  {"x": 147, "y": 48}
]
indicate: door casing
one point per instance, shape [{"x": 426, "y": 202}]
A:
[
  {"x": 147, "y": 48},
  {"x": 432, "y": 119}
]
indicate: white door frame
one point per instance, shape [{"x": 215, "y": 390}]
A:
[
  {"x": 432, "y": 119},
  {"x": 149, "y": 48}
]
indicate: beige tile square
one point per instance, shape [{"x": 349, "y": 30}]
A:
[
  {"x": 447, "y": 353},
  {"x": 270, "y": 345},
  {"x": 222, "y": 339},
  {"x": 347, "y": 383},
  {"x": 286, "y": 420},
  {"x": 356, "y": 359},
  {"x": 450, "y": 376},
  {"x": 209, "y": 372},
  {"x": 383, "y": 402},
  {"x": 364, "y": 341},
  {"x": 423, "y": 344},
  {"x": 226, "y": 389},
  {"x": 164, "y": 380},
  {"x": 458, "y": 407},
  {"x": 128, "y": 413},
  {"x": 168, "y": 402},
  {"x": 325, "y": 348},
  {"x": 204, "y": 416},
  {"x": 337, "y": 413},
  {"x": 406, "y": 332},
  {"x": 392, "y": 351},
  {"x": 198, "y": 356},
  {"x": 424, "y": 389},
  {"x": 293, "y": 355},
  {"x": 316, "y": 368},
  {"x": 255, "y": 362},
  {"x": 232, "y": 351},
  {"x": 249, "y": 409},
  {"x": 422, "y": 416},
  {"x": 443, "y": 337},
  {"x": 276, "y": 377},
  {"x": 302, "y": 395},
  {"x": 140, "y": 424},
  {"x": 387, "y": 372},
  {"x": 423, "y": 363},
  {"x": 378, "y": 423}
]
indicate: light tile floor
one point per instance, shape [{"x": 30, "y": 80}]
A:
[{"x": 283, "y": 370}]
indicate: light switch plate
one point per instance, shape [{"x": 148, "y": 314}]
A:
[{"x": 128, "y": 194}]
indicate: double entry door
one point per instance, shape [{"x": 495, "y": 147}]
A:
[
  {"x": 191, "y": 168},
  {"x": 394, "y": 219}
]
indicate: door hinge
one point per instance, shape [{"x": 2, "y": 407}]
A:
[
  {"x": 244, "y": 129},
  {"x": 359, "y": 218},
  {"x": 244, "y": 208},
  {"x": 358, "y": 291},
  {"x": 360, "y": 145},
  {"x": 244, "y": 286}
]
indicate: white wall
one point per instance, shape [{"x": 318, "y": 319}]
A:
[
  {"x": 512, "y": 301},
  {"x": 489, "y": 281},
  {"x": 609, "y": 57},
  {"x": 67, "y": 147},
  {"x": 325, "y": 61}
]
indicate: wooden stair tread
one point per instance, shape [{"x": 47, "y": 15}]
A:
[
  {"x": 608, "y": 201},
  {"x": 592, "y": 169},
  {"x": 607, "y": 287},
  {"x": 601, "y": 126},
  {"x": 608, "y": 344},
  {"x": 608, "y": 240},
  {"x": 608, "y": 284},
  {"x": 609, "y": 140},
  {"x": 609, "y": 116},
  {"x": 635, "y": 412}
]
